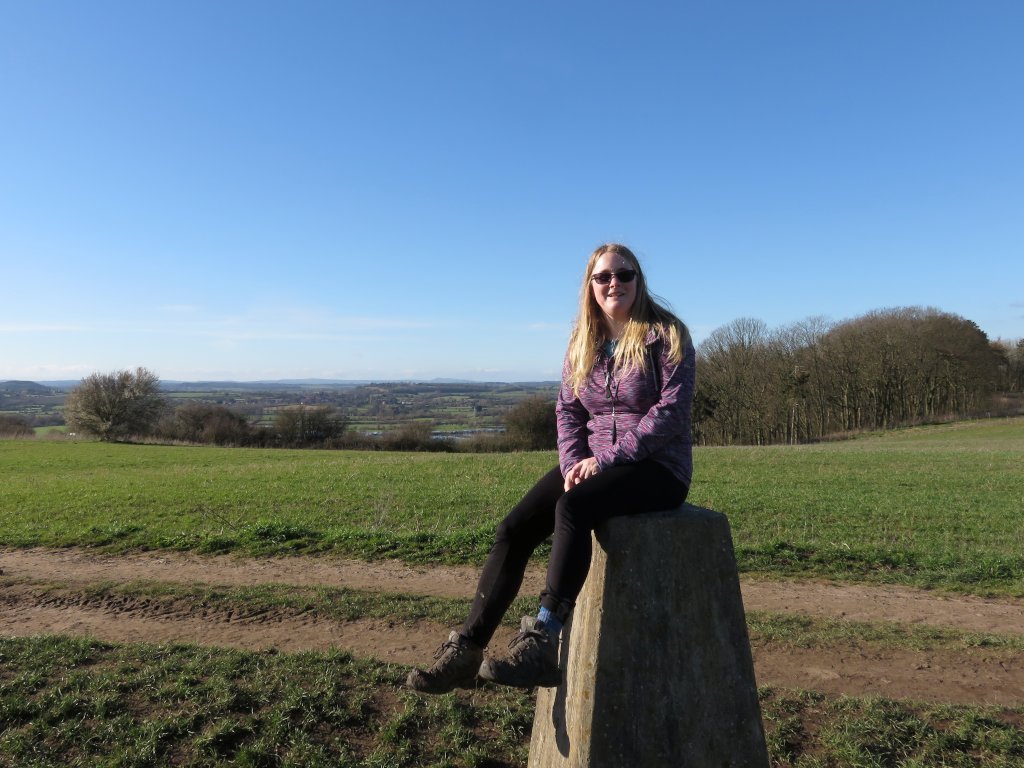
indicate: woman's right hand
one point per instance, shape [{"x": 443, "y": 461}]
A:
[{"x": 580, "y": 471}]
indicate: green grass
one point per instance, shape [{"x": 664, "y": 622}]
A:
[
  {"x": 933, "y": 506},
  {"x": 78, "y": 702},
  {"x": 809, "y": 730},
  {"x": 75, "y": 702},
  {"x": 419, "y": 506}
]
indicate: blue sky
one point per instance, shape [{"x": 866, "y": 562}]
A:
[{"x": 379, "y": 190}]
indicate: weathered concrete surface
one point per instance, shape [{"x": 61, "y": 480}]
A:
[{"x": 658, "y": 670}]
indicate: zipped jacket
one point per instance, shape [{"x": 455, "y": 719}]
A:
[{"x": 625, "y": 416}]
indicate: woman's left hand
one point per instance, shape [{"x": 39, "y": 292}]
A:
[{"x": 581, "y": 471}]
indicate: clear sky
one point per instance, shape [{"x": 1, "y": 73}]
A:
[{"x": 377, "y": 190}]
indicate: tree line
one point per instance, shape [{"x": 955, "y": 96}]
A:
[
  {"x": 129, "y": 405},
  {"x": 813, "y": 379}
]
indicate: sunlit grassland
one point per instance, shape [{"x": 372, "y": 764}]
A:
[
  {"x": 939, "y": 506},
  {"x": 78, "y": 702},
  {"x": 71, "y": 702},
  {"x": 934, "y": 506},
  {"x": 425, "y": 505}
]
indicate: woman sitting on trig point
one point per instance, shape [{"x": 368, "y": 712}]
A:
[{"x": 624, "y": 447}]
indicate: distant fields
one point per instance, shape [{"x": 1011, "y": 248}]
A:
[{"x": 933, "y": 506}]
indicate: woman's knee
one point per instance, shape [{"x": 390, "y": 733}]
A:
[
  {"x": 506, "y": 532},
  {"x": 517, "y": 534},
  {"x": 571, "y": 515}
]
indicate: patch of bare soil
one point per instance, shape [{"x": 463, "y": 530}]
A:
[{"x": 976, "y": 676}]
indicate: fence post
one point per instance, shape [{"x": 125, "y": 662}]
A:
[{"x": 657, "y": 665}]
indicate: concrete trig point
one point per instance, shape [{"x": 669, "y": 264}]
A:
[{"x": 658, "y": 670}]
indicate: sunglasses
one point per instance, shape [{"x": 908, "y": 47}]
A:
[{"x": 623, "y": 276}]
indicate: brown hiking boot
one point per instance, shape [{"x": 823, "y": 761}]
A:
[
  {"x": 532, "y": 659},
  {"x": 457, "y": 663}
]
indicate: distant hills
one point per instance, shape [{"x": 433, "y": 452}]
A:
[
  {"x": 30, "y": 387},
  {"x": 44, "y": 387}
]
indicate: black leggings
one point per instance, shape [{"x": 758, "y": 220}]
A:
[{"x": 645, "y": 486}]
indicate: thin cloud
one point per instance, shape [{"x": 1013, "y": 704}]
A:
[
  {"x": 50, "y": 372},
  {"x": 45, "y": 328},
  {"x": 314, "y": 321},
  {"x": 287, "y": 329},
  {"x": 271, "y": 335}
]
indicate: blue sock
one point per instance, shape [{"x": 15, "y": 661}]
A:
[{"x": 550, "y": 622}]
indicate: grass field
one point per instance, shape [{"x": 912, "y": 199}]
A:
[
  {"x": 935, "y": 506},
  {"x": 932, "y": 506},
  {"x": 77, "y": 702}
]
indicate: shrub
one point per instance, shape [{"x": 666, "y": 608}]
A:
[
  {"x": 531, "y": 426},
  {"x": 300, "y": 426},
  {"x": 206, "y": 423},
  {"x": 414, "y": 436},
  {"x": 15, "y": 426}
]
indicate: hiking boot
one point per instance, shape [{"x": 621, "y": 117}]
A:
[
  {"x": 532, "y": 659},
  {"x": 457, "y": 663}
]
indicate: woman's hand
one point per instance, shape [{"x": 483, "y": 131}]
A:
[{"x": 580, "y": 472}]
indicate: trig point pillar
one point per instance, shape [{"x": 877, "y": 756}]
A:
[{"x": 658, "y": 669}]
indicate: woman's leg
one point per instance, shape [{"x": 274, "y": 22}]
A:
[
  {"x": 532, "y": 658},
  {"x": 644, "y": 486},
  {"x": 529, "y": 523}
]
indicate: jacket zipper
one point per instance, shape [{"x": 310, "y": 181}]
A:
[{"x": 611, "y": 387}]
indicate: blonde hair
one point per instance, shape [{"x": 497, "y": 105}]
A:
[{"x": 645, "y": 316}]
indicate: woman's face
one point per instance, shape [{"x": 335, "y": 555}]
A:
[{"x": 615, "y": 298}]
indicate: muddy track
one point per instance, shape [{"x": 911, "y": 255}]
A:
[{"x": 974, "y": 676}]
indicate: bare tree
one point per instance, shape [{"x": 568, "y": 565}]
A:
[
  {"x": 1011, "y": 364},
  {"x": 115, "y": 406},
  {"x": 733, "y": 383}
]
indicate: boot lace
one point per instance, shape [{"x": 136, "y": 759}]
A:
[
  {"x": 453, "y": 645},
  {"x": 520, "y": 645}
]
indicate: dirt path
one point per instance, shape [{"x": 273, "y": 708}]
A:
[
  {"x": 975, "y": 676},
  {"x": 848, "y": 601}
]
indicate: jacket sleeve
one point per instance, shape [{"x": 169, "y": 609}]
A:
[
  {"x": 667, "y": 420},
  {"x": 572, "y": 420}
]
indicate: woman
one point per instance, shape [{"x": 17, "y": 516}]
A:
[{"x": 624, "y": 447}]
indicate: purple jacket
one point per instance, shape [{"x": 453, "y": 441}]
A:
[{"x": 652, "y": 414}]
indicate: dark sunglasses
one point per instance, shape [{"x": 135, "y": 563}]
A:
[{"x": 623, "y": 276}]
